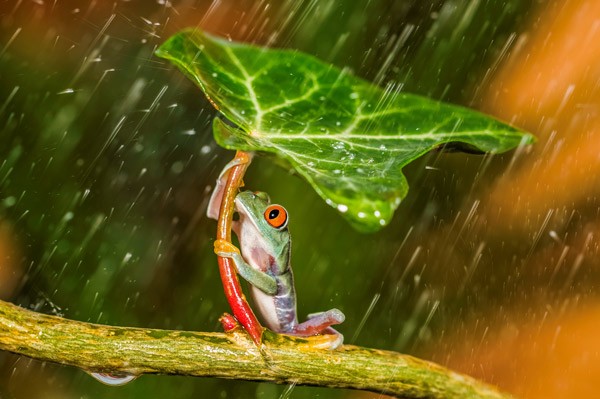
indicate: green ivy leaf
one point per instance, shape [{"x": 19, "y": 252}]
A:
[{"x": 347, "y": 137}]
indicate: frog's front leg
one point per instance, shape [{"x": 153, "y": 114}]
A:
[{"x": 260, "y": 280}]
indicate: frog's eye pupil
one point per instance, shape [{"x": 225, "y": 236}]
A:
[
  {"x": 274, "y": 213},
  {"x": 276, "y": 216}
]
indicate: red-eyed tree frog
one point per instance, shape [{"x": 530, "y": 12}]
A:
[{"x": 262, "y": 230}]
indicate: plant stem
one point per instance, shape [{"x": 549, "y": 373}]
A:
[
  {"x": 282, "y": 359},
  {"x": 231, "y": 284}
]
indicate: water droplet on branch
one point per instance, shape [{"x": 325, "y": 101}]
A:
[{"x": 114, "y": 380}]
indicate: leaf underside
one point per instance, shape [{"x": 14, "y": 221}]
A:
[{"x": 347, "y": 137}]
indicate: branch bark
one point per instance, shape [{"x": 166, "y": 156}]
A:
[{"x": 282, "y": 359}]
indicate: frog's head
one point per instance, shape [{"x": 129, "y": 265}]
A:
[{"x": 269, "y": 220}]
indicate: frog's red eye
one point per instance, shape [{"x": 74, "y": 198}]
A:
[{"x": 276, "y": 216}]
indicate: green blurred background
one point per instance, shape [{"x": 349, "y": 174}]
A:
[{"x": 107, "y": 161}]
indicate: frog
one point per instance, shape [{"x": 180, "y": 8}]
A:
[{"x": 264, "y": 261}]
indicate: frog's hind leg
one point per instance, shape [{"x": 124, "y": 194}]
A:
[{"x": 320, "y": 323}]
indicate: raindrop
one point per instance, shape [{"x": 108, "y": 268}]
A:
[
  {"x": 9, "y": 201},
  {"x": 362, "y": 215},
  {"x": 66, "y": 91},
  {"x": 177, "y": 167},
  {"x": 114, "y": 380},
  {"x": 377, "y": 213},
  {"x": 554, "y": 235},
  {"x": 205, "y": 149},
  {"x": 190, "y": 132},
  {"x": 127, "y": 257},
  {"x": 354, "y": 95},
  {"x": 342, "y": 208}
]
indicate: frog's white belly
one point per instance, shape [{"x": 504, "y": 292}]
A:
[{"x": 278, "y": 311}]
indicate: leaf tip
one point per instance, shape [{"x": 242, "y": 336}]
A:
[{"x": 528, "y": 139}]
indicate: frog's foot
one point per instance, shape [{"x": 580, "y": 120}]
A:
[
  {"x": 229, "y": 322},
  {"x": 214, "y": 204},
  {"x": 320, "y": 324},
  {"x": 225, "y": 249},
  {"x": 323, "y": 320}
]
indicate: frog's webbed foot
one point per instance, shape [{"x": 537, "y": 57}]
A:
[
  {"x": 225, "y": 249},
  {"x": 214, "y": 204},
  {"x": 320, "y": 324}
]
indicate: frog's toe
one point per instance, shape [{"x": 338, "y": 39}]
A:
[
  {"x": 225, "y": 249},
  {"x": 337, "y": 339},
  {"x": 335, "y": 316}
]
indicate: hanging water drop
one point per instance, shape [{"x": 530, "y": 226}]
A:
[{"x": 114, "y": 380}]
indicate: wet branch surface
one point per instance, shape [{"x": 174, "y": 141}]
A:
[{"x": 282, "y": 359}]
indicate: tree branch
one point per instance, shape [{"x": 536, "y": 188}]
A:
[{"x": 282, "y": 359}]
